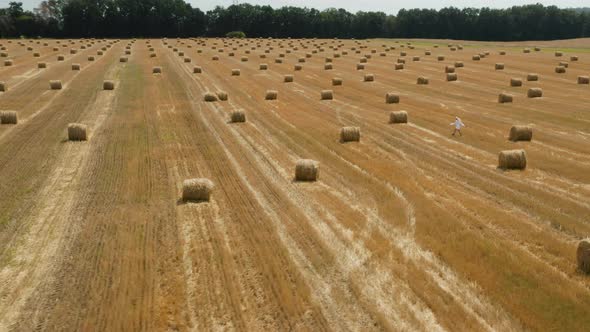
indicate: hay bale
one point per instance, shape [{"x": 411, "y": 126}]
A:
[
  {"x": 350, "y": 134},
  {"x": 502, "y": 52},
  {"x": 36, "y": 54},
  {"x": 237, "y": 116},
  {"x": 91, "y": 58},
  {"x": 574, "y": 58},
  {"x": 505, "y": 98},
  {"x": 278, "y": 60},
  {"x": 197, "y": 70},
  {"x": 583, "y": 80},
  {"x": 327, "y": 95},
  {"x": 55, "y": 85},
  {"x": 558, "y": 54},
  {"x": 369, "y": 78},
  {"x": 209, "y": 97},
  {"x": 398, "y": 117},
  {"x": 583, "y": 256},
  {"x": 452, "y": 77},
  {"x": 512, "y": 159},
  {"x": 307, "y": 170},
  {"x": 535, "y": 93},
  {"x": 564, "y": 64},
  {"x": 108, "y": 85},
  {"x": 157, "y": 70},
  {"x": 271, "y": 95},
  {"x": 8, "y": 117},
  {"x": 152, "y": 55},
  {"x": 215, "y": 58},
  {"x": 8, "y": 63},
  {"x": 61, "y": 58},
  {"x": 123, "y": 59},
  {"x": 521, "y": 133},
  {"x": 476, "y": 57},
  {"x": 297, "y": 67},
  {"x": 288, "y": 78},
  {"x": 41, "y": 65},
  {"x": 263, "y": 66},
  {"x": 560, "y": 70},
  {"x": 532, "y": 77},
  {"x": 3, "y": 87},
  {"x": 187, "y": 60},
  {"x": 422, "y": 80},
  {"x": 244, "y": 59},
  {"x": 399, "y": 66},
  {"x": 515, "y": 82},
  {"x": 222, "y": 95},
  {"x": 499, "y": 66},
  {"x": 360, "y": 66},
  {"x": 336, "y": 81},
  {"x": 197, "y": 190},
  {"x": 77, "y": 132},
  {"x": 415, "y": 58},
  {"x": 235, "y": 72},
  {"x": 75, "y": 66},
  {"x": 328, "y": 66},
  {"x": 440, "y": 58},
  {"x": 391, "y": 98},
  {"x": 449, "y": 69},
  {"x": 402, "y": 61},
  {"x": 526, "y": 50}
]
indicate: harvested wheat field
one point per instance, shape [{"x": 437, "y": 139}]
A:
[{"x": 135, "y": 199}]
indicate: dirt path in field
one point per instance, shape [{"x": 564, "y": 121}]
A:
[{"x": 408, "y": 229}]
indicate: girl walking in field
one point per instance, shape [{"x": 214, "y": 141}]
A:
[{"x": 458, "y": 125}]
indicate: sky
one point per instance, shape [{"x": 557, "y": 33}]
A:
[{"x": 387, "y": 6}]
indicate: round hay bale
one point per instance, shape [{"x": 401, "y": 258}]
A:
[
  {"x": 422, "y": 80},
  {"x": 278, "y": 60},
  {"x": 476, "y": 57},
  {"x": 350, "y": 134},
  {"x": 369, "y": 78},
  {"x": 271, "y": 95},
  {"x": 36, "y": 54},
  {"x": 327, "y": 95},
  {"x": 452, "y": 77},
  {"x": 157, "y": 70},
  {"x": 449, "y": 69},
  {"x": 583, "y": 256},
  {"x": 91, "y": 58},
  {"x": 288, "y": 78},
  {"x": 41, "y": 65},
  {"x": 307, "y": 170},
  {"x": 560, "y": 70},
  {"x": 222, "y": 95},
  {"x": 502, "y": 52},
  {"x": 499, "y": 66},
  {"x": 535, "y": 93},
  {"x": 197, "y": 70},
  {"x": 238, "y": 116},
  {"x": 298, "y": 67},
  {"x": 73, "y": 51},
  {"x": 336, "y": 81},
  {"x": 520, "y": 133},
  {"x": 123, "y": 59},
  {"x": 427, "y": 53},
  {"x": 558, "y": 54},
  {"x": 415, "y": 58},
  {"x": 61, "y": 58},
  {"x": 399, "y": 66},
  {"x": 75, "y": 66},
  {"x": 108, "y": 85},
  {"x": 402, "y": 61},
  {"x": 515, "y": 82},
  {"x": 209, "y": 97},
  {"x": 244, "y": 59},
  {"x": 574, "y": 58},
  {"x": 235, "y": 72},
  {"x": 128, "y": 52},
  {"x": 583, "y": 80},
  {"x": 197, "y": 190},
  {"x": 537, "y": 49},
  {"x": 505, "y": 98},
  {"x": 8, "y": 63},
  {"x": 512, "y": 159},
  {"x": 391, "y": 98},
  {"x": 8, "y": 117},
  {"x": 301, "y": 60},
  {"x": 440, "y": 58},
  {"x": 215, "y": 58},
  {"x": 328, "y": 66},
  {"x": 152, "y": 55},
  {"x": 564, "y": 64},
  {"x": 187, "y": 60},
  {"x": 526, "y": 50},
  {"x": 77, "y": 132},
  {"x": 263, "y": 66},
  {"x": 55, "y": 85},
  {"x": 398, "y": 117},
  {"x": 532, "y": 77},
  {"x": 3, "y": 87},
  {"x": 360, "y": 66}
]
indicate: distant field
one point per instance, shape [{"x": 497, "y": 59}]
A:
[{"x": 408, "y": 229}]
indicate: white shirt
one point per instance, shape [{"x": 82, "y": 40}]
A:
[{"x": 458, "y": 124}]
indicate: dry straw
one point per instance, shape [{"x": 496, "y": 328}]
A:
[
  {"x": 512, "y": 159},
  {"x": 307, "y": 170},
  {"x": 8, "y": 117},
  {"x": 399, "y": 66},
  {"x": 350, "y": 134},
  {"x": 8, "y": 63},
  {"x": 440, "y": 58},
  {"x": 77, "y": 132},
  {"x": 521, "y": 133},
  {"x": 398, "y": 117},
  {"x": 197, "y": 190},
  {"x": 583, "y": 256},
  {"x": 327, "y": 95}
]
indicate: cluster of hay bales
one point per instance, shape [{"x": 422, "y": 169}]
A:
[
  {"x": 350, "y": 134},
  {"x": 197, "y": 190},
  {"x": 505, "y": 98},
  {"x": 77, "y": 132},
  {"x": 327, "y": 95},
  {"x": 535, "y": 93},
  {"x": 512, "y": 159},
  {"x": 398, "y": 117},
  {"x": 307, "y": 170},
  {"x": 271, "y": 95},
  {"x": 520, "y": 133},
  {"x": 8, "y": 117},
  {"x": 237, "y": 116}
]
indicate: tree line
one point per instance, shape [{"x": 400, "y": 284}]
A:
[{"x": 176, "y": 18}]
